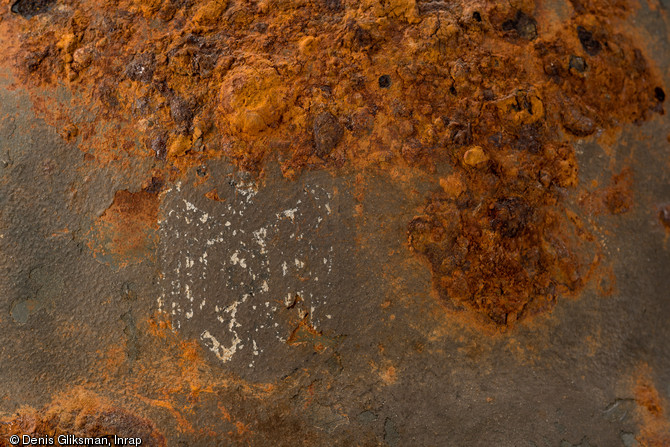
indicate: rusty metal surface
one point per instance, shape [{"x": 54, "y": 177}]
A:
[{"x": 213, "y": 306}]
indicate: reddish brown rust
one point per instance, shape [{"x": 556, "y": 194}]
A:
[
  {"x": 126, "y": 232},
  {"x": 80, "y": 414},
  {"x": 495, "y": 90},
  {"x": 664, "y": 215},
  {"x": 651, "y": 411},
  {"x": 201, "y": 80},
  {"x": 616, "y": 198}
]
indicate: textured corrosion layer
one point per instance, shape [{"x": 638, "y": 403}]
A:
[
  {"x": 79, "y": 414},
  {"x": 335, "y": 222},
  {"x": 494, "y": 91}
]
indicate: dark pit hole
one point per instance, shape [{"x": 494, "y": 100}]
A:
[
  {"x": 362, "y": 38},
  {"x": 141, "y": 67},
  {"x": 524, "y": 25},
  {"x": 30, "y": 8},
  {"x": 452, "y": 90},
  {"x": 154, "y": 186},
  {"x": 659, "y": 94},
  {"x": 158, "y": 145},
  {"x": 201, "y": 171},
  {"x": 477, "y": 16},
  {"x": 664, "y": 215},
  {"x": 591, "y": 45},
  {"x": 384, "y": 81},
  {"x": 327, "y": 132},
  {"x": 259, "y": 27},
  {"x": 333, "y": 5},
  {"x": 578, "y": 63},
  {"x": 510, "y": 216}
]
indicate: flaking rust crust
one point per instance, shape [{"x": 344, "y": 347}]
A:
[
  {"x": 495, "y": 90},
  {"x": 83, "y": 415},
  {"x": 335, "y": 222},
  {"x": 126, "y": 232}
]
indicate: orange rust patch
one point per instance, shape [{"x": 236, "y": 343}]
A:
[
  {"x": 214, "y": 195},
  {"x": 389, "y": 375},
  {"x": 616, "y": 198},
  {"x": 504, "y": 253},
  {"x": 264, "y": 80},
  {"x": 651, "y": 411},
  {"x": 664, "y": 215},
  {"x": 305, "y": 333},
  {"x": 184, "y": 368},
  {"x": 83, "y": 414},
  {"x": 494, "y": 90},
  {"x": 175, "y": 379},
  {"x": 126, "y": 232}
]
